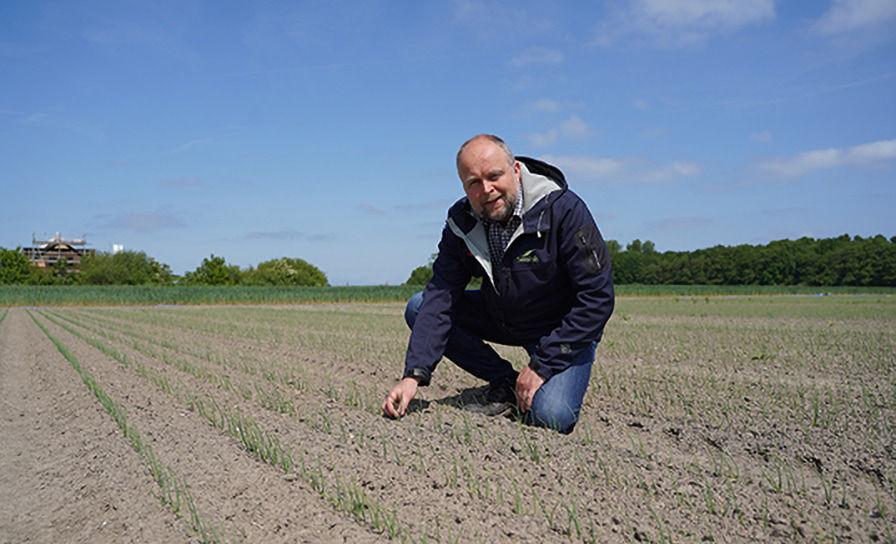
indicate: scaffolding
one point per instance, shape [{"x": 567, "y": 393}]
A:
[{"x": 48, "y": 253}]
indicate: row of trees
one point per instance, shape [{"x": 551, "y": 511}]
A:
[
  {"x": 844, "y": 260},
  {"x": 137, "y": 268}
]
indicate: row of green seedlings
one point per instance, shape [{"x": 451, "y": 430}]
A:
[
  {"x": 279, "y": 325},
  {"x": 355, "y": 396},
  {"x": 530, "y": 450},
  {"x": 319, "y": 339},
  {"x": 175, "y": 493},
  {"x": 325, "y": 421},
  {"x": 261, "y": 444},
  {"x": 271, "y": 400},
  {"x": 3, "y": 315},
  {"x": 266, "y": 447},
  {"x": 305, "y": 341},
  {"x": 648, "y": 396}
]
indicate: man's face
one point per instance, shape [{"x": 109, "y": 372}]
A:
[{"x": 490, "y": 181}]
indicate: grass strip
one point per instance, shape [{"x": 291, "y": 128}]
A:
[
  {"x": 3, "y": 315},
  {"x": 123, "y": 295},
  {"x": 175, "y": 491}
]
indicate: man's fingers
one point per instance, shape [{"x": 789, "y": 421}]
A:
[
  {"x": 389, "y": 405},
  {"x": 403, "y": 408}
]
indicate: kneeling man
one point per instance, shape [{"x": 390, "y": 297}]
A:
[{"x": 546, "y": 286}]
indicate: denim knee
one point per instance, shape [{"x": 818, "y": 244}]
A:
[
  {"x": 413, "y": 307},
  {"x": 553, "y": 412}
]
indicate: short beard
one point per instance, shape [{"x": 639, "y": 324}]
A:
[{"x": 509, "y": 207}]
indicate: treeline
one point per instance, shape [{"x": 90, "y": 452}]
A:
[
  {"x": 138, "y": 268},
  {"x": 840, "y": 261},
  {"x": 856, "y": 261}
]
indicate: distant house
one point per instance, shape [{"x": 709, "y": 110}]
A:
[{"x": 46, "y": 253}]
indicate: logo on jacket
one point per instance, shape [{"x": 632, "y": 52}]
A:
[{"x": 528, "y": 257}]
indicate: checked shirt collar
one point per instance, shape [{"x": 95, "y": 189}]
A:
[{"x": 499, "y": 235}]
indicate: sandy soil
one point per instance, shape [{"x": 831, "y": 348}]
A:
[
  {"x": 704, "y": 427},
  {"x": 66, "y": 473}
]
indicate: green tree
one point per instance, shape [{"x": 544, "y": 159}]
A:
[
  {"x": 286, "y": 271},
  {"x": 213, "y": 271},
  {"x": 422, "y": 274},
  {"x": 15, "y": 268},
  {"x": 123, "y": 268}
]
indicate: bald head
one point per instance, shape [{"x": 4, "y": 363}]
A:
[{"x": 487, "y": 140}]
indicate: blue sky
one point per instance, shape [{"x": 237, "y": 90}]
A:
[{"x": 327, "y": 130}]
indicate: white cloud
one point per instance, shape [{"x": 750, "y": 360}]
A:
[
  {"x": 545, "y": 105},
  {"x": 572, "y": 127},
  {"x": 682, "y": 22},
  {"x": 763, "y": 136},
  {"x": 537, "y": 55},
  {"x": 676, "y": 169},
  {"x": 640, "y": 104},
  {"x": 610, "y": 169},
  {"x": 822, "y": 159},
  {"x": 544, "y": 139},
  {"x": 851, "y": 15},
  {"x": 588, "y": 168}
]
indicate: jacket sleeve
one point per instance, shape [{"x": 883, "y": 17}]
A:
[
  {"x": 430, "y": 334},
  {"x": 587, "y": 260}
]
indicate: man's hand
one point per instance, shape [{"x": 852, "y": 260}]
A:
[
  {"x": 527, "y": 384},
  {"x": 396, "y": 403}
]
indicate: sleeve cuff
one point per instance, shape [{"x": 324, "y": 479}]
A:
[
  {"x": 542, "y": 370},
  {"x": 422, "y": 376}
]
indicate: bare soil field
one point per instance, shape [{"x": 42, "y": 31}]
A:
[{"x": 729, "y": 419}]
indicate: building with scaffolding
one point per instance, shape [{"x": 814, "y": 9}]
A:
[{"x": 48, "y": 253}]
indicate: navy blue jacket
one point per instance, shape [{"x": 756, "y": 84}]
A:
[{"x": 553, "y": 289}]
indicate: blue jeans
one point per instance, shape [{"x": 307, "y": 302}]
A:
[{"x": 556, "y": 404}]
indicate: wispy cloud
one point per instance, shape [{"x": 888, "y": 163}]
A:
[
  {"x": 763, "y": 136},
  {"x": 283, "y": 234},
  {"x": 183, "y": 182},
  {"x": 855, "y": 15},
  {"x": 370, "y": 209},
  {"x": 675, "y": 169},
  {"x": 572, "y": 127},
  {"x": 675, "y": 23},
  {"x": 640, "y": 104},
  {"x": 544, "y": 105},
  {"x": 823, "y": 159},
  {"x": 142, "y": 222},
  {"x": 428, "y": 205},
  {"x": 147, "y": 33},
  {"x": 191, "y": 144},
  {"x": 537, "y": 55},
  {"x": 588, "y": 168},
  {"x": 616, "y": 170},
  {"x": 682, "y": 223}
]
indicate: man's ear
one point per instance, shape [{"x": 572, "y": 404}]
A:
[{"x": 517, "y": 169}]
